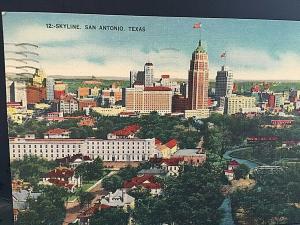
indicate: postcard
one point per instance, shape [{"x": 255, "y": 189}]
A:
[{"x": 143, "y": 120}]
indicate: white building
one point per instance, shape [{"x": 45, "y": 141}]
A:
[
  {"x": 57, "y": 133},
  {"x": 7, "y": 84},
  {"x": 68, "y": 104},
  {"x": 237, "y": 104},
  {"x": 197, "y": 113},
  {"x": 18, "y": 92},
  {"x": 113, "y": 150},
  {"x": 118, "y": 199},
  {"x": 111, "y": 111},
  {"x": 165, "y": 81},
  {"x": 148, "y": 71},
  {"x": 50, "y": 82}
]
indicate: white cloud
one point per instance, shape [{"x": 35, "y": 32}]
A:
[
  {"x": 74, "y": 61},
  {"x": 90, "y": 59},
  {"x": 38, "y": 34},
  {"x": 252, "y": 64}
]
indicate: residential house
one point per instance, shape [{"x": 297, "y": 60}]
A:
[
  {"x": 84, "y": 217},
  {"x": 74, "y": 160},
  {"x": 119, "y": 199},
  {"x": 152, "y": 171},
  {"x": 57, "y": 133},
  {"x": 191, "y": 156},
  {"x": 172, "y": 165},
  {"x": 87, "y": 121},
  {"x": 229, "y": 173},
  {"x": 167, "y": 149},
  {"x": 20, "y": 198},
  {"x": 125, "y": 133},
  {"x": 62, "y": 177},
  {"x": 147, "y": 182}
]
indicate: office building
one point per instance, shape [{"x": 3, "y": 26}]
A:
[
  {"x": 148, "y": 73},
  {"x": 198, "y": 79},
  {"x": 148, "y": 99},
  {"x": 68, "y": 104},
  {"x": 18, "y": 92},
  {"x": 238, "y": 104},
  {"x": 35, "y": 94},
  {"x": 50, "y": 82},
  {"x": 224, "y": 82}
]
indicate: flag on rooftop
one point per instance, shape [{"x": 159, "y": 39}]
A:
[
  {"x": 197, "y": 25},
  {"x": 223, "y": 55}
]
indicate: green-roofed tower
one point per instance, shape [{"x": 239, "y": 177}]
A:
[{"x": 198, "y": 79}]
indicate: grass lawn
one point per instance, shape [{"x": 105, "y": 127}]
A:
[{"x": 87, "y": 184}]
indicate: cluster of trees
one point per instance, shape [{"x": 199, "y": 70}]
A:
[
  {"x": 31, "y": 168},
  {"x": 166, "y": 128},
  {"x": 32, "y": 125},
  {"x": 113, "y": 216},
  {"x": 116, "y": 181},
  {"x": 153, "y": 125},
  {"x": 194, "y": 197},
  {"x": 47, "y": 209},
  {"x": 85, "y": 198},
  {"x": 241, "y": 171},
  {"x": 268, "y": 153},
  {"x": 90, "y": 171},
  {"x": 273, "y": 199}
]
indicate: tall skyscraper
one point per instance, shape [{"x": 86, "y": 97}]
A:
[
  {"x": 224, "y": 82},
  {"x": 148, "y": 72},
  {"x": 8, "y": 83},
  {"x": 138, "y": 76},
  {"x": 18, "y": 92},
  {"x": 184, "y": 89},
  {"x": 50, "y": 82},
  {"x": 198, "y": 79},
  {"x": 132, "y": 77}
]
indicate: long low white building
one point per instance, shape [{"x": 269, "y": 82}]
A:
[{"x": 119, "y": 150}]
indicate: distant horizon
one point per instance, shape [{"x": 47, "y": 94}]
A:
[{"x": 88, "y": 77}]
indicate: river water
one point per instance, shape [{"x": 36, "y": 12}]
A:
[{"x": 226, "y": 205}]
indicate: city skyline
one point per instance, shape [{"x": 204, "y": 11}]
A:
[{"x": 254, "y": 48}]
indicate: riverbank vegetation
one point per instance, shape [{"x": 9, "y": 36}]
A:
[{"x": 273, "y": 200}]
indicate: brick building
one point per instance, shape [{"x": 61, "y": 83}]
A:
[{"x": 35, "y": 94}]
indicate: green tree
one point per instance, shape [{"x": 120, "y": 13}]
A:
[
  {"x": 112, "y": 216},
  {"x": 112, "y": 183},
  {"x": 85, "y": 198},
  {"x": 31, "y": 168},
  {"x": 195, "y": 186},
  {"x": 90, "y": 171},
  {"x": 241, "y": 171},
  {"x": 47, "y": 209}
]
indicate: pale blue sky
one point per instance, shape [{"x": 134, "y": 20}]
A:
[{"x": 256, "y": 49}]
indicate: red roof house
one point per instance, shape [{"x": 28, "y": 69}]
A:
[
  {"x": 146, "y": 181},
  {"x": 126, "y": 132},
  {"x": 57, "y": 133},
  {"x": 62, "y": 177}
]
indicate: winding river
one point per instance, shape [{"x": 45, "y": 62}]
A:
[{"x": 226, "y": 205}]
